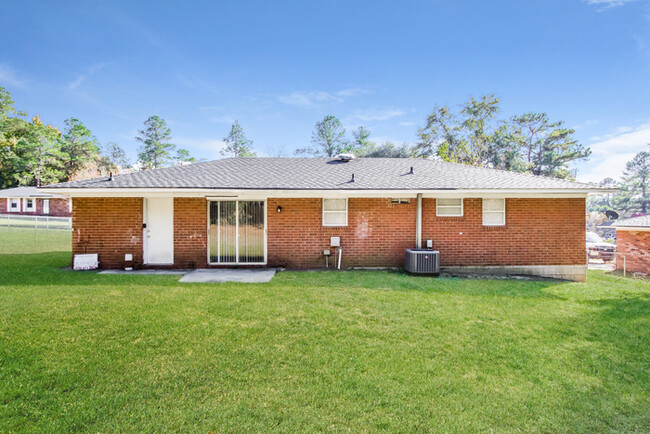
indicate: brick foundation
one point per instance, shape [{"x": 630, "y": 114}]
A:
[
  {"x": 540, "y": 232},
  {"x": 635, "y": 247}
]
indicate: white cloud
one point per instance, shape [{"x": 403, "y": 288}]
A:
[
  {"x": 210, "y": 147},
  {"x": 74, "y": 84},
  {"x": 607, "y": 3},
  {"x": 407, "y": 124},
  {"x": 377, "y": 114},
  {"x": 10, "y": 78},
  {"x": 316, "y": 98},
  {"x": 610, "y": 153},
  {"x": 223, "y": 120}
]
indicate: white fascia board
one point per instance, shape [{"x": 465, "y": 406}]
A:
[
  {"x": 633, "y": 228},
  {"x": 214, "y": 194}
]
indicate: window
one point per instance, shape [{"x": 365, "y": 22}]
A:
[
  {"x": 46, "y": 206},
  {"x": 494, "y": 212},
  {"x": 335, "y": 212},
  {"x": 13, "y": 205},
  {"x": 449, "y": 207},
  {"x": 28, "y": 205},
  {"x": 397, "y": 201}
]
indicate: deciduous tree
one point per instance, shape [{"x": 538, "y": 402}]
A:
[{"x": 328, "y": 139}]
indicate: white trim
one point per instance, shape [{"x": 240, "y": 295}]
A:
[
  {"x": 43, "y": 203},
  {"x": 633, "y": 228},
  {"x": 16, "y": 200},
  {"x": 334, "y": 212},
  {"x": 494, "y": 212},
  {"x": 27, "y": 200},
  {"x": 230, "y": 199},
  {"x": 239, "y": 194},
  {"x": 145, "y": 243},
  {"x": 145, "y": 260},
  {"x": 462, "y": 207}
]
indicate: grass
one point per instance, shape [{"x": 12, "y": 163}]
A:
[{"x": 335, "y": 351}]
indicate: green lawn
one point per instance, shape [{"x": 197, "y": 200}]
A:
[{"x": 331, "y": 351}]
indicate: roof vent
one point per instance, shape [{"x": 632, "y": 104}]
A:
[{"x": 345, "y": 157}]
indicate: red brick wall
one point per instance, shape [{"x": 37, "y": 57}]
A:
[
  {"x": 635, "y": 246},
  {"x": 376, "y": 235},
  {"x": 110, "y": 227},
  {"x": 537, "y": 232},
  {"x": 58, "y": 208},
  {"x": 190, "y": 232}
]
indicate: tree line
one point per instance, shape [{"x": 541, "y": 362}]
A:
[
  {"x": 474, "y": 134},
  {"x": 633, "y": 196},
  {"x": 32, "y": 153}
]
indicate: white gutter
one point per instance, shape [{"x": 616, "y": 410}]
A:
[
  {"x": 418, "y": 222},
  {"x": 632, "y": 228},
  {"x": 265, "y": 193}
]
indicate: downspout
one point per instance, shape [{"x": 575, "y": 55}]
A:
[{"x": 418, "y": 223}]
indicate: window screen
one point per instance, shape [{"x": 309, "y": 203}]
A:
[
  {"x": 494, "y": 212},
  {"x": 335, "y": 212},
  {"x": 449, "y": 207}
]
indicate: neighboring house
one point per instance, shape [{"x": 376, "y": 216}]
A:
[
  {"x": 633, "y": 244},
  {"x": 30, "y": 201},
  {"x": 607, "y": 230},
  {"x": 282, "y": 212}
]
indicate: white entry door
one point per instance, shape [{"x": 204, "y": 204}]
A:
[{"x": 158, "y": 243}]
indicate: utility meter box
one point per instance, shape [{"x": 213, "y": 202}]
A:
[{"x": 335, "y": 241}]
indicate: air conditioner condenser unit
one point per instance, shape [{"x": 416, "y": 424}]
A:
[{"x": 422, "y": 261}]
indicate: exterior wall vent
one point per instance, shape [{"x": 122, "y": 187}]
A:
[{"x": 422, "y": 261}]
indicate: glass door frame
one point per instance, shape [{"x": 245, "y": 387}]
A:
[{"x": 236, "y": 200}]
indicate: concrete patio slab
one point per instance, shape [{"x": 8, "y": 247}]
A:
[
  {"x": 158, "y": 272},
  {"x": 230, "y": 275}
]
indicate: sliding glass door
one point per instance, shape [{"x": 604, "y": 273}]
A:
[{"x": 237, "y": 232}]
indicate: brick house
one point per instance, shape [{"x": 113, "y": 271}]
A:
[
  {"x": 282, "y": 212},
  {"x": 30, "y": 201},
  {"x": 633, "y": 244}
]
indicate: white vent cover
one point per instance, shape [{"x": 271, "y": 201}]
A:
[{"x": 345, "y": 157}]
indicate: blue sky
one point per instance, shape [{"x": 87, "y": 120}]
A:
[{"x": 279, "y": 67}]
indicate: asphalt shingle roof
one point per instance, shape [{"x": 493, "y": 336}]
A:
[
  {"x": 328, "y": 174},
  {"x": 27, "y": 192},
  {"x": 634, "y": 222}
]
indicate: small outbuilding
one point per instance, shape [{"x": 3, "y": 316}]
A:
[
  {"x": 633, "y": 244},
  {"x": 30, "y": 201}
]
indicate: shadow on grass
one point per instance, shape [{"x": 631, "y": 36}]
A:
[
  {"x": 400, "y": 281},
  {"x": 608, "y": 346},
  {"x": 47, "y": 269}
]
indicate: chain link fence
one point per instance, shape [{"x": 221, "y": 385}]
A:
[{"x": 615, "y": 261}]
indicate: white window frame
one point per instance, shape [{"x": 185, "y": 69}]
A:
[
  {"x": 502, "y": 212},
  {"x": 45, "y": 206},
  {"x": 335, "y": 212},
  {"x": 27, "y": 200},
  {"x": 462, "y": 207},
  {"x": 400, "y": 201},
  {"x": 11, "y": 200}
]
